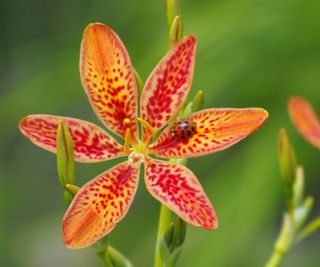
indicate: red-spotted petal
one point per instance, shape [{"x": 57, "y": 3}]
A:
[
  {"x": 176, "y": 187},
  {"x": 108, "y": 78},
  {"x": 305, "y": 119},
  {"x": 215, "y": 130},
  {"x": 90, "y": 142},
  {"x": 99, "y": 205},
  {"x": 167, "y": 86}
]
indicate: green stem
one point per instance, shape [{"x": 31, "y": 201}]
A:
[
  {"x": 164, "y": 221},
  {"x": 275, "y": 259},
  {"x": 104, "y": 257},
  {"x": 283, "y": 243}
]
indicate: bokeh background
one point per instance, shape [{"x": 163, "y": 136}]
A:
[{"x": 250, "y": 53}]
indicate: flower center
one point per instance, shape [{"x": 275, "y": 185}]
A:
[
  {"x": 135, "y": 159},
  {"x": 141, "y": 147}
]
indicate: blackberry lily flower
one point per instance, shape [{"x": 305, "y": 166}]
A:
[{"x": 109, "y": 81}]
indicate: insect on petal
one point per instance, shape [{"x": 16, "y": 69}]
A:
[
  {"x": 108, "y": 78},
  {"x": 99, "y": 205},
  {"x": 176, "y": 187},
  {"x": 168, "y": 85},
  {"x": 305, "y": 119},
  {"x": 90, "y": 142},
  {"x": 216, "y": 129}
]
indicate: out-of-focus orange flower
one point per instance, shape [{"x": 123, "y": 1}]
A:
[{"x": 305, "y": 120}]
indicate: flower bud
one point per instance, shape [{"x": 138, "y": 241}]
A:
[
  {"x": 175, "y": 31},
  {"x": 65, "y": 158},
  {"x": 288, "y": 166}
]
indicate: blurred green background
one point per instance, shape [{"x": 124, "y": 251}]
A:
[{"x": 250, "y": 53}]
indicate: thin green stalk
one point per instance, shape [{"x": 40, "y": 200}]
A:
[
  {"x": 164, "y": 221},
  {"x": 283, "y": 243}
]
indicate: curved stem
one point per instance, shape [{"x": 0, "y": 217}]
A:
[
  {"x": 164, "y": 221},
  {"x": 104, "y": 257}
]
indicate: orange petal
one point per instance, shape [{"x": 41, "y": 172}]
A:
[
  {"x": 99, "y": 205},
  {"x": 305, "y": 119},
  {"x": 108, "y": 78},
  {"x": 176, "y": 187},
  {"x": 90, "y": 142},
  {"x": 168, "y": 85},
  {"x": 216, "y": 129}
]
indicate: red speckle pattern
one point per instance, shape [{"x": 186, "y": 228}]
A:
[
  {"x": 108, "y": 78},
  {"x": 176, "y": 187},
  {"x": 216, "y": 129},
  {"x": 99, "y": 205},
  {"x": 168, "y": 85},
  {"x": 305, "y": 119},
  {"x": 90, "y": 142}
]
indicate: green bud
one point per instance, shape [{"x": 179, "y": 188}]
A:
[
  {"x": 298, "y": 187},
  {"x": 288, "y": 166},
  {"x": 187, "y": 110},
  {"x": 73, "y": 189},
  {"x": 311, "y": 228},
  {"x": 68, "y": 197},
  {"x": 287, "y": 158},
  {"x": 175, "y": 31},
  {"x": 139, "y": 81},
  {"x": 65, "y": 158},
  {"x": 182, "y": 161},
  {"x": 172, "y": 9},
  {"x": 180, "y": 228},
  {"x": 302, "y": 212},
  {"x": 197, "y": 102},
  {"x": 168, "y": 234}
]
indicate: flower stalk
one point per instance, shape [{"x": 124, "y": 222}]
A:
[
  {"x": 109, "y": 256},
  {"x": 298, "y": 206}
]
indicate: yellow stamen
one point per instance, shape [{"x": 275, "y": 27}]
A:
[
  {"x": 127, "y": 141},
  {"x": 126, "y": 122},
  {"x": 147, "y": 125}
]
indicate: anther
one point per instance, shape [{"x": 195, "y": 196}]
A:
[{"x": 126, "y": 122}]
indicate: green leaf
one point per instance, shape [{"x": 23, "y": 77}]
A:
[
  {"x": 65, "y": 157},
  {"x": 164, "y": 250},
  {"x": 174, "y": 256}
]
